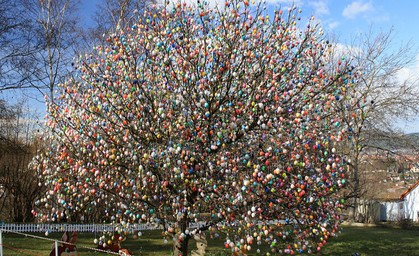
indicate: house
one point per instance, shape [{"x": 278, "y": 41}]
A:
[
  {"x": 411, "y": 202},
  {"x": 414, "y": 168},
  {"x": 368, "y": 211},
  {"x": 391, "y": 210},
  {"x": 405, "y": 206}
]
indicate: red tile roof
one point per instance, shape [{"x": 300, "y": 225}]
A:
[{"x": 409, "y": 190}]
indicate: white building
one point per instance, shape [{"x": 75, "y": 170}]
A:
[
  {"x": 411, "y": 202},
  {"x": 391, "y": 210},
  {"x": 404, "y": 207}
]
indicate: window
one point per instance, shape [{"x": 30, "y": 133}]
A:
[{"x": 401, "y": 206}]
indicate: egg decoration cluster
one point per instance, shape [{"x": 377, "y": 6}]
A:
[{"x": 226, "y": 116}]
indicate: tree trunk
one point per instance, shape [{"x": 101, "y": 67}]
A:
[
  {"x": 28, "y": 216},
  {"x": 355, "y": 210},
  {"x": 356, "y": 188},
  {"x": 180, "y": 246},
  {"x": 18, "y": 215}
]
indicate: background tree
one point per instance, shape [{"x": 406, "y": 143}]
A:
[
  {"x": 382, "y": 100},
  {"x": 15, "y": 39},
  {"x": 19, "y": 188},
  {"x": 112, "y": 15},
  {"x": 195, "y": 115},
  {"x": 39, "y": 44},
  {"x": 57, "y": 33}
]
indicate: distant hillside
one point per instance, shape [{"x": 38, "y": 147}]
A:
[
  {"x": 414, "y": 137},
  {"x": 398, "y": 142},
  {"x": 412, "y": 140}
]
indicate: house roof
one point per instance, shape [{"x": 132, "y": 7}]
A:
[{"x": 409, "y": 190}]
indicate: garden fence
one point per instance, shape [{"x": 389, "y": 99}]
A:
[{"x": 32, "y": 228}]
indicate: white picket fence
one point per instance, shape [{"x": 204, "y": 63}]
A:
[{"x": 32, "y": 228}]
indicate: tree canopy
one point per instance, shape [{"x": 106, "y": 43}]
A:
[{"x": 219, "y": 116}]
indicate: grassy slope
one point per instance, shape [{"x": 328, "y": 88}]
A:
[{"x": 364, "y": 240}]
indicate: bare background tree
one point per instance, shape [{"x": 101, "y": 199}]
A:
[
  {"x": 19, "y": 188},
  {"x": 16, "y": 42},
  {"x": 113, "y": 14},
  {"x": 383, "y": 100},
  {"x": 55, "y": 24}
]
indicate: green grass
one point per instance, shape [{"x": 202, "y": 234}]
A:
[
  {"x": 366, "y": 241},
  {"x": 381, "y": 241}
]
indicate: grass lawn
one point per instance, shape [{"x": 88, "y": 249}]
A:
[
  {"x": 381, "y": 241},
  {"x": 363, "y": 240}
]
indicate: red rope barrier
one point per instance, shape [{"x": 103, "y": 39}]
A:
[{"x": 19, "y": 250}]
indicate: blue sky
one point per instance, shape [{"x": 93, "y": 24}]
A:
[{"x": 344, "y": 17}]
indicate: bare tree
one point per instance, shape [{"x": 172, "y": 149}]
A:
[
  {"x": 6, "y": 115},
  {"x": 382, "y": 100},
  {"x": 50, "y": 35},
  {"x": 16, "y": 41},
  {"x": 19, "y": 188},
  {"x": 111, "y": 15},
  {"x": 58, "y": 32},
  {"x": 19, "y": 185}
]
